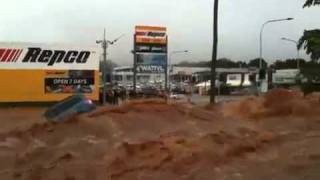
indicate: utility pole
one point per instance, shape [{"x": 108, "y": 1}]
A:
[
  {"x": 166, "y": 68},
  {"x": 134, "y": 64},
  {"x": 214, "y": 52},
  {"x": 104, "y": 44}
]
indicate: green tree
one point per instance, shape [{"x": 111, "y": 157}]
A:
[
  {"x": 109, "y": 68},
  {"x": 225, "y": 63},
  {"x": 288, "y": 64},
  {"x": 310, "y": 40},
  {"x": 194, "y": 64},
  {"x": 255, "y": 63},
  {"x": 220, "y": 63},
  {"x": 241, "y": 64}
]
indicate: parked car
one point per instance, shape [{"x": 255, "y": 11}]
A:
[
  {"x": 150, "y": 91},
  {"x": 176, "y": 96}
]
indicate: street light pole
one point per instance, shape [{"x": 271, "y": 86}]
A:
[
  {"x": 170, "y": 64},
  {"x": 261, "y": 37},
  {"x": 296, "y": 43},
  {"x": 104, "y": 44}
]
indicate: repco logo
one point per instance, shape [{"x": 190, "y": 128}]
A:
[{"x": 56, "y": 56}]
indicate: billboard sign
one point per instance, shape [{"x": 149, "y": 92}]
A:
[
  {"x": 39, "y": 56},
  {"x": 43, "y": 72},
  {"x": 150, "y": 49},
  {"x": 151, "y": 58},
  {"x": 151, "y": 62},
  {"x": 70, "y": 81},
  {"x": 151, "y": 35},
  {"x": 147, "y": 48},
  {"x": 142, "y": 68}
]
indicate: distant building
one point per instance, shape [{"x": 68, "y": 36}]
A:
[
  {"x": 182, "y": 74},
  {"x": 222, "y": 73},
  {"x": 285, "y": 77},
  {"x": 124, "y": 75}
]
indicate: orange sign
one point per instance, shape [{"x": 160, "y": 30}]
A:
[{"x": 151, "y": 34}]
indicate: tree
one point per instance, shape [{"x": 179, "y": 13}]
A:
[
  {"x": 310, "y": 41},
  {"x": 256, "y": 63},
  {"x": 194, "y": 64},
  {"x": 214, "y": 51},
  {"x": 309, "y": 3},
  {"x": 225, "y": 63},
  {"x": 288, "y": 64},
  {"x": 241, "y": 64},
  {"x": 310, "y": 79},
  {"x": 220, "y": 63},
  {"x": 109, "y": 68},
  {"x": 311, "y": 72}
]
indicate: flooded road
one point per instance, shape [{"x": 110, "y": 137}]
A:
[{"x": 271, "y": 137}]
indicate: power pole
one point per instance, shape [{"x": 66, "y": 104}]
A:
[
  {"x": 104, "y": 44},
  {"x": 166, "y": 68},
  {"x": 135, "y": 64},
  {"x": 214, "y": 51},
  {"x": 104, "y": 73}
]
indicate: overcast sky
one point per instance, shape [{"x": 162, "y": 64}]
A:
[{"x": 189, "y": 24}]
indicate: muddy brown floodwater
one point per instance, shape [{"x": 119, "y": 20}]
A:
[{"x": 276, "y": 136}]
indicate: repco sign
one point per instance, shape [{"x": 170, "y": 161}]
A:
[{"x": 51, "y": 57}]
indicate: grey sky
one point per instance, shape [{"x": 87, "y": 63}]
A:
[{"x": 189, "y": 24}]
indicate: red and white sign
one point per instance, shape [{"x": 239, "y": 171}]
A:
[
  {"x": 151, "y": 34},
  {"x": 42, "y": 56}
]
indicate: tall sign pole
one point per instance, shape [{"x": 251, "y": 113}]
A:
[
  {"x": 134, "y": 63},
  {"x": 214, "y": 52},
  {"x": 151, "y": 52},
  {"x": 166, "y": 66},
  {"x": 104, "y": 74}
]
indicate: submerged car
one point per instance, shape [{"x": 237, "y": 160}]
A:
[{"x": 69, "y": 107}]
